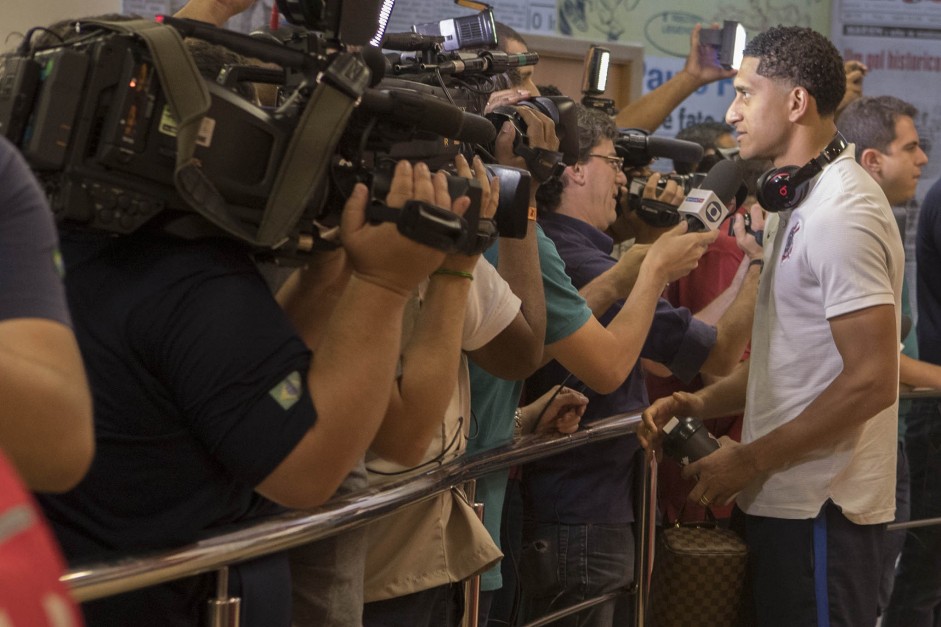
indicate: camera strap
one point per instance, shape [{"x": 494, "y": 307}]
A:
[{"x": 312, "y": 146}]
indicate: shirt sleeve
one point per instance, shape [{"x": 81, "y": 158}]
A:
[
  {"x": 678, "y": 341},
  {"x": 566, "y": 310},
  {"x": 31, "y": 280},
  {"x": 232, "y": 362},
  {"x": 491, "y": 307},
  {"x": 850, "y": 260}
]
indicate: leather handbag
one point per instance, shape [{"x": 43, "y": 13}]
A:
[{"x": 698, "y": 576}]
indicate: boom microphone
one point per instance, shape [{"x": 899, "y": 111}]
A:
[
  {"x": 705, "y": 207},
  {"x": 428, "y": 114},
  {"x": 638, "y": 148}
]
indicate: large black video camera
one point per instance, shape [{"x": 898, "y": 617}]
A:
[{"x": 124, "y": 133}]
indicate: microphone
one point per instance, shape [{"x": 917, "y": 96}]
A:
[
  {"x": 487, "y": 62},
  {"x": 639, "y": 148},
  {"x": 377, "y": 63},
  {"x": 705, "y": 207},
  {"x": 428, "y": 114}
]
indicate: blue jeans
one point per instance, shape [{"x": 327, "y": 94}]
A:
[
  {"x": 916, "y": 598},
  {"x": 562, "y": 565}
]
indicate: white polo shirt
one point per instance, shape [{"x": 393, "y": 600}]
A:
[{"x": 837, "y": 252}]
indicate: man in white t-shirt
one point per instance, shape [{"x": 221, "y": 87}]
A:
[{"x": 814, "y": 477}]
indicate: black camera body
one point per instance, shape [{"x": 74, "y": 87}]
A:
[
  {"x": 653, "y": 212},
  {"x": 687, "y": 440},
  {"x": 686, "y": 182},
  {"x": 93, "y": 119},
  {"x": 561, "y": 110}
]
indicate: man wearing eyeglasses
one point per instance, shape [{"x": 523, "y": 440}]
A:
[{"x": 579, "y": 539}]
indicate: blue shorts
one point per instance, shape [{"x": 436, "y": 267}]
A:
[{"x": 819, "y": 572}]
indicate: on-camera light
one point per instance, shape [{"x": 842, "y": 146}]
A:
[
  {"x": 729, "y": 40},
  {"x": 385, "y": 12},
  {"x": 597, "y": 61},
  {"x": 471, "y": 31}
]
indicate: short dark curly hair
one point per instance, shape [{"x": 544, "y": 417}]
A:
[
  {"x": 803, "y": 57},
  {"x": 593, "y": 128}
]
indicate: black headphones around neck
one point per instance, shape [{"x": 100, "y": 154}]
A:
[{"x": 784, "y": 188}]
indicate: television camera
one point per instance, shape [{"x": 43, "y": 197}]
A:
[{"x": 124, "y": 133}]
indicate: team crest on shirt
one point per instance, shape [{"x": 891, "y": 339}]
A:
[
  {"x": 789, "y": 242},
  {"x": 288, "y": 391}
]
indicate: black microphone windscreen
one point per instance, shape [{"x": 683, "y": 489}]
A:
[
  {"x": 724, "y": 179},
  {"x": 476, "y": 129},
  {"x": 376, "y": 62},
  {"x": 677, "y": 149},
  {"x": 427, "y": 113}
]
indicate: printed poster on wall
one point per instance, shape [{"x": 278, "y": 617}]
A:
[{"x": 900, "y": 42}]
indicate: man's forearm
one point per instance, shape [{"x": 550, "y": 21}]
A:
[
  {"x": 351, "y": 375},
  {"x": 519, "y": 267},
  {"x": 726, "y": 396},
  {"x": 919, "y": 374},
  {"x": 430, "y": 364},
  {"x": 310, "y": 294},
  {"x": 613, "y": 285},
  {"x": 650, "y": 110}
]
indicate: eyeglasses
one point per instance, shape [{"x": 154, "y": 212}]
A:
[{"x": 616, "y": 162}]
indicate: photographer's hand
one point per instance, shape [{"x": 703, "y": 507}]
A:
[
  {"x": 855, "y": 72},
  {"x": 672, "y": 193},
  {"x": 562, "y": 414},
  {"x": 505, "y": 97},
  {"x": 702, "y": 63},
  {"x": 676, "y": 253},
  {"x": 380, "y": 254},
  {"x": 650, "y": 110},
  {"x": 540, "y": 131},
  {"x": 747, "y": 240},
  {"x": 489, "y": 198}
]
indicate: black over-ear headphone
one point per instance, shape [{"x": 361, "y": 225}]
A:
[{"x": 785, "y": 188}]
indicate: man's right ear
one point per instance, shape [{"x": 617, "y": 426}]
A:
[{"x": 871, "y": 160}]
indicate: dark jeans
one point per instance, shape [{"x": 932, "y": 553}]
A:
[
  {"x": 563, "y": 565},
  {"x": 916, "y": 597},
  {"x": 812, "y": 572},
  {"x": 503, "y": 608},
  {"x": 442, "y": 606}
]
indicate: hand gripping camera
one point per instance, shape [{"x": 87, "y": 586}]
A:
[{"x": 687, "y": 440}]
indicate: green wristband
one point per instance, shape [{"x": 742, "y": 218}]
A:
[{"x": 458, "y": 273}]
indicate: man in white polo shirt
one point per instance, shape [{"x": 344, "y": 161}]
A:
[{"x": 815, "y": 473}]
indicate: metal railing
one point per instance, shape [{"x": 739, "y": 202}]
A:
[
  {"x": 293, "y": 529},
  {"x": 288, "y": 530}
]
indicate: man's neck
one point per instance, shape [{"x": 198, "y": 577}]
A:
[{"x": 807, "y": 142}]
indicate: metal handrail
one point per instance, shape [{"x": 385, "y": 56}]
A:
[{"x": 292, "y": 529}]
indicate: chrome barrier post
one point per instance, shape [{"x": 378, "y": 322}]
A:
[
  {"x": 472, "y": 585},
  {"x": 224, "y": 610},
  {"x": 646, "y": 532}
]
